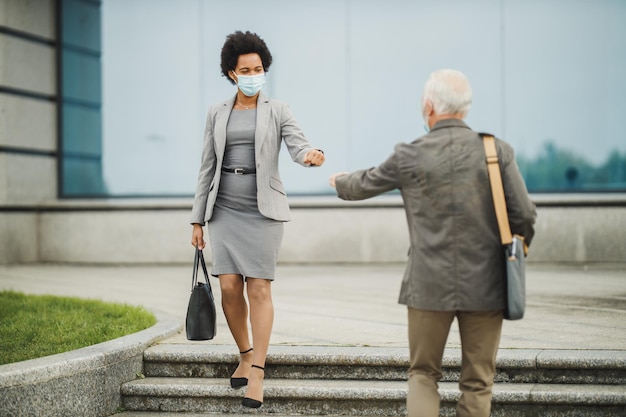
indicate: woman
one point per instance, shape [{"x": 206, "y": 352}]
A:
[{"x": 242, "y": 198}]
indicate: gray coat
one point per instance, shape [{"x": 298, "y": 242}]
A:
[
  {"x": 455, "y": 257},
  {"x": 274, "y": 123}
]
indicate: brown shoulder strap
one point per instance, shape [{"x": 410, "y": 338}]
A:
[{"x": 497, "y": 190}]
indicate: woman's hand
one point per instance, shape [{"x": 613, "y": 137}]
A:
[
  {"x": 331, "y": 180},
  {"x": 197, "y": 236},
  {"x": 314, "y": 158}
]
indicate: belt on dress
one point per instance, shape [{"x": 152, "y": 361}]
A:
[{"x": 240, "y": 171}]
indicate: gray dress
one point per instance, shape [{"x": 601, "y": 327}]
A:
[{"x": 243, "y": 241}]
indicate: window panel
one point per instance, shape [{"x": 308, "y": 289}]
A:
[{"x": 547, "y": 77}]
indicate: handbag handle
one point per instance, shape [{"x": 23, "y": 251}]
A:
[
  {"x": 199, "y": 259},
  {"x": 497, "y": 189}
]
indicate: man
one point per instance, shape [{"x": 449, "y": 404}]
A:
[{"x": 455, "y": 266}]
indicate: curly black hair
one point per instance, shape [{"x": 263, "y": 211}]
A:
[{"x": 240, "y": 43}]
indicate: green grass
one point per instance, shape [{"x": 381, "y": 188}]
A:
[{"x": 33, "y": 326}]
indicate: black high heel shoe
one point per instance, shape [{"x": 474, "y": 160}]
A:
[
  {"x": 249, "y": 402},
  {"x": 240, "y": 382}
]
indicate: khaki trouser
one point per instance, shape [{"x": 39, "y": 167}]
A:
[{"x": 480, "y": 336}]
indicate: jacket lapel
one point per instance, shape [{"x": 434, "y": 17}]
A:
[
  {"x": 262, "y": 119},
  {"x": 221, "y": 121}
]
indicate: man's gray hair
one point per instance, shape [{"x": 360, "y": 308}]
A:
[{"x": 449, "y": 92}]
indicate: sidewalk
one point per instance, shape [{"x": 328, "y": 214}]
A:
[{"x": 568, "y": 307}]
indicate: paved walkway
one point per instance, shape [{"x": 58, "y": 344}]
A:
[{"x": 568, "y": 307}]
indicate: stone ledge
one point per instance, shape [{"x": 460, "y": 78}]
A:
[
  {"x": 372, "y": 356},
  {"x": 81, "y": 382},
  {"x": 617, "y": 199}
]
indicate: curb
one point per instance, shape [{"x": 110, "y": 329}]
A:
[{"x": 83, "y": 382}]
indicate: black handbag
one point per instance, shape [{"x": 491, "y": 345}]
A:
[
  {"x": 514, "y": 248},
  {"x": 201, "y": 317}
]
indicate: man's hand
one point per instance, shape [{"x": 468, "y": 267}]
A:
[
  {"x": 314, "y": 158},
  {"x": 331, "y": 180}
]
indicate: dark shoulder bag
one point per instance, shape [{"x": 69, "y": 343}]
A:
[
  {"x": 513, "y": 245},
  {"x": 200, "y": 321}
]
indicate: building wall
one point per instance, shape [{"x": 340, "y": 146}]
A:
[
  {"x": 28, "y": 134},
  {"x": 322, "y": 231},
  {"x": 35, "y": 226},
  {"x": 28, "y": 137}
]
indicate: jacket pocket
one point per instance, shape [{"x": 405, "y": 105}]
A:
[{"x": 277, "y": 185}]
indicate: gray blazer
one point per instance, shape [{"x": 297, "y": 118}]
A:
[
  {"x": 455, "y": 257},
  {"x": 274, "y": 123}
]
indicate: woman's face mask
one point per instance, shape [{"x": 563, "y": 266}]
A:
[{"x": 250, "y": 85}]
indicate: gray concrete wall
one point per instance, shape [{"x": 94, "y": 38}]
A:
[
  {"x": 28, "y": 131},
  {"x": 27, "y": 110},
  {"x": 323, "y": 230}
]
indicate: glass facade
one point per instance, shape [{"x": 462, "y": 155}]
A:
[
  {"x": 80, "y": 93},
  {"x": 138, "y": 80}
]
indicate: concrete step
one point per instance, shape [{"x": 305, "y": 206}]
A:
[
  {"x": 166, "y": 414},
  {"x": 363, "y": 398},
  {"x": 204, "y": 360}
]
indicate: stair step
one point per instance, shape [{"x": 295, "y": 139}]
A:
[
  {"x": 391, "y": 364},
  {"x": 363, "y": 398},
  {"x": 244, "y": 414}
]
